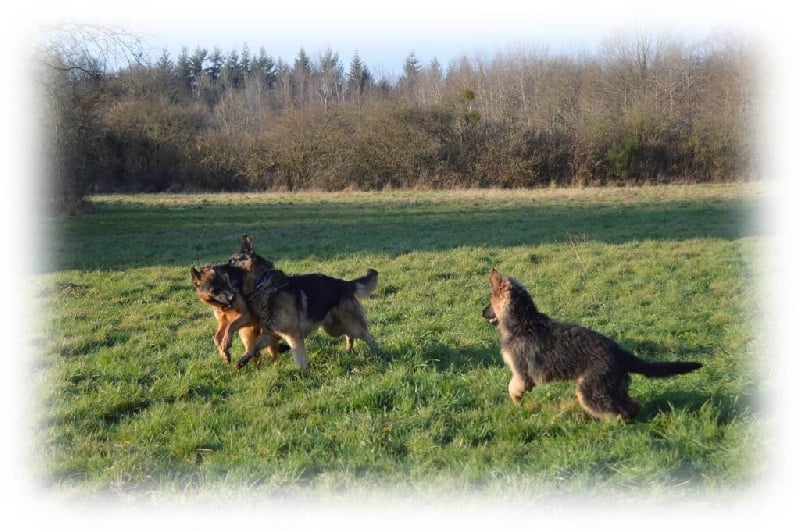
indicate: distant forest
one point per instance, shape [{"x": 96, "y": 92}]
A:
[{"x": 640, "y": 108}]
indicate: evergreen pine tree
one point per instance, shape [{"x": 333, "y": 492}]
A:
[
  {"x": 301, "y": 78},
  {"x": 216, "y": 61},
  {"x": 358, "y": 78},
  {"x": 246, "y": 62},
  {"x": 165, "y": 63},
  {"x": 264, "y": 66},
  {"x": 233, "y": 75},
  {"x": 411, "y": 67},
  {"x": 183, "y": 67},
  {"x": 197, "y": 60},
  {"x": 408, "y": 81}
]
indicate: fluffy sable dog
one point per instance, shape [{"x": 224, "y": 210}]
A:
[
  {"x": 538, "y": 349},
  {"x": 293, "y": 306},
  {"x": 230, "y": 309}
]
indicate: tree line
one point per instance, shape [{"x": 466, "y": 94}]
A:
[{"x": 640, "y": 108}]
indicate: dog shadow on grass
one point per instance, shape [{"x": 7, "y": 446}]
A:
[
  {"x": 458, "y": 359},
  {"x": 721, "y": 408},
  {"x": 678, "y": 399},
  {"x": 431, "y": 355},
  {"x": 654, "y": 351}
]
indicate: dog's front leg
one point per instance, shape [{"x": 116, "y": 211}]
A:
[
  {"x": 232, "y": 326},
  {"x": 223, "y": 325},
  {"x": 517, "y": 387},
  {"x": 298, "y": 346}
]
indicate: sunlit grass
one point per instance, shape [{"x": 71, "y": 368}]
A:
[{"x": 133, "y": 394}]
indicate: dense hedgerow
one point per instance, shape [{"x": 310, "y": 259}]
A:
[{"x": 638, "y": 109}]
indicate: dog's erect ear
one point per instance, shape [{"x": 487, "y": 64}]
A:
[
  {"x": 247, "y": 245},
  {"x": 496, "y": 279},
  {"x": 195, "y": 276}
]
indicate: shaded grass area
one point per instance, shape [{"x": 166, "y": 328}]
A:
[
  {"x": 185, "y": 229},
  {"x": 133, "y": 395}
]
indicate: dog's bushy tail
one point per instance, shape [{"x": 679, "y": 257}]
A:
[
  {"x": 365, "y": 285},
  {"x": 661, "y": 369}
]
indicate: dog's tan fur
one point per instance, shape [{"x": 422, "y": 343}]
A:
[
  {"x": 293, "y": 306},
  {"x": 231, "y": 313}
]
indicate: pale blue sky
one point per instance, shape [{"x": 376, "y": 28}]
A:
[{"x": 384, "y": 35}]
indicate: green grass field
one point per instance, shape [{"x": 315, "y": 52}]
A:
[{"x": 132, "y": 396}]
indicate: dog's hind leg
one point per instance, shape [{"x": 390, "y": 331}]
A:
[
  {"x": 364, "y": 336},
  {"x": 369, "y": 340},
  {"x": 628, "y": 407},
  {"x": 605, "y": 396},
  {"x": 352, "y": 330},
  {"x": 358, "y": 328}
]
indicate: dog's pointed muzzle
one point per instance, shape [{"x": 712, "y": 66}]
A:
[
  {"x": 489, "y": 315},
  {"x": 226, "y": 299}
]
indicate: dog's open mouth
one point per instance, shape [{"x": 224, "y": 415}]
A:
[
  {"x": 225, "y": 300},
  {"x": 489, "y": 315}
]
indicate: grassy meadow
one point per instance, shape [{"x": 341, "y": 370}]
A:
[{"x": 132, "y": 396}]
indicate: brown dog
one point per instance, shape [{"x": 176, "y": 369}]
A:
[
  {"x": 230, "y": 311},
  {"x": 291, "y": 306}
]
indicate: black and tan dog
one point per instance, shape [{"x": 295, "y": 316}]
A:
[
  {"x": 293, "y": 306},
  {"x": 538, "y": 349},
  {"x": 230, "y": 309}
]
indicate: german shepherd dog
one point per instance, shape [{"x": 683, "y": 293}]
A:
[
  {"x": 230, "y": 309},
  {"x": 293, "y": 306},
  {"x": 538, "y": 349}
]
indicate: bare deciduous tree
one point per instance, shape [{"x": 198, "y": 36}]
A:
[
  {"x": 74, "y": 60},
  {"x": 641, "y": 107}
]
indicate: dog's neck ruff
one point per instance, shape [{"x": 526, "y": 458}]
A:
[
  {"x": 263, "y": 281},
  {"x": 271, "y": 280}
]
